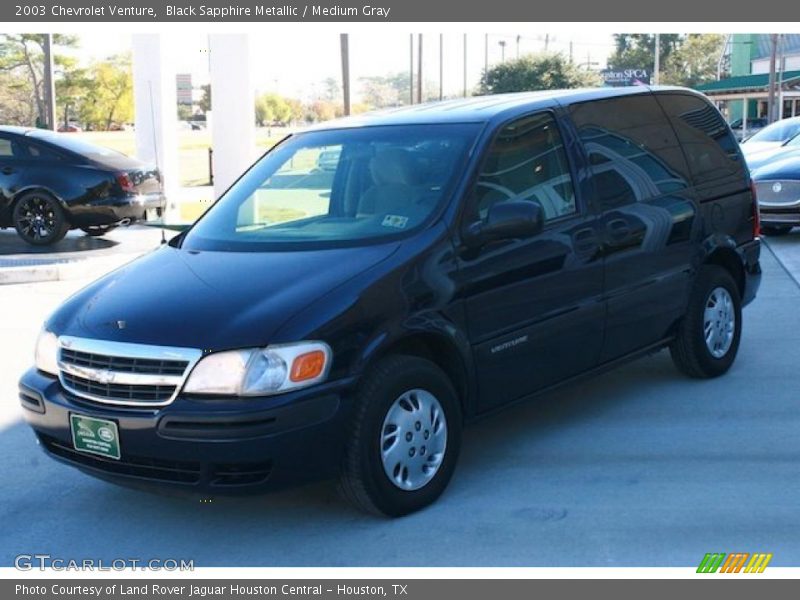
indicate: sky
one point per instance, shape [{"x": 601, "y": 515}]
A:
[{"x": 297, "y": 69}]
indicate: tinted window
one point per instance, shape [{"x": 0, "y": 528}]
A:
[
  {"x": 632, "y": 148},
  {"x": 711, "y": 150},
  {"x": 76, "y": 145},
  {"x": 527, "y": 162},
  {"x": 38, "y": 152}
]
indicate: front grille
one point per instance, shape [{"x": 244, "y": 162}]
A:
[
  {"x": 117, "y": 391},
  {"x": 124, "y": 364},
  {"x": 778, "y": 193},
  {"x": 122, "y": 373}
]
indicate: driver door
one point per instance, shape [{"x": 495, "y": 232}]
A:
[{"x": 534, "y": 309}]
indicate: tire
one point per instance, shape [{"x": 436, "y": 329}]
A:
[
  {"x": 714, "y": 305},
  {"x": 775, "y": 230},
  {"x": 98, "y": 230},
  {"x": 391, "y": 393},
  {"x": 39, "y": 219}
]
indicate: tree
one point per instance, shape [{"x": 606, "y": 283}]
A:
[
  {"x": 110, "y": 99},
  {"x": 543, "y": 71},
  {"x": 695, "y": 61},
  {"x": 17, "y": 104},
  {"x": 205, "y": 100},
  {"x": 23, "y": 56},
  {"x": 272, "y": 109},
  {"x": 637, "y": 50},
  {"x": 185, "y": 112}
]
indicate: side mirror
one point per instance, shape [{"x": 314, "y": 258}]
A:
[{"x": 508, "y": 220}]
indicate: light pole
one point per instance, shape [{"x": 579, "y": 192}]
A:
[
  {"x": 345, "y": 47},
  {"x": 657, "y": 62}
]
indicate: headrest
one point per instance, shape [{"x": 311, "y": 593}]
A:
[{"x": 392, "y": 166}]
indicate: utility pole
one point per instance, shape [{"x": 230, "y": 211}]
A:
[
  {"x": 773, "y": 39},
  {"x": 441, "y": 66},
  {"x": 570, "y": 52},
  {"x": 465, "y": 65},
  {"x": 49, "y": 84},
  {"x": 518, "y": 39},
  {"x": 657, "y": 62},
  {"x": 345, "y": 49},
  {"x": 546, "y": 41},
  {"x": 419, "y": 69},
  {"x": 486, "y": 53},
  {"x": 502, "y": 50},
  {"x": 411, "y": 69}
]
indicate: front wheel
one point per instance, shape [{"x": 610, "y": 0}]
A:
[
  {"x": 405, "y": 437},
  {"x": 708, "y": 337},
  {"x": 39, "y": 219}
]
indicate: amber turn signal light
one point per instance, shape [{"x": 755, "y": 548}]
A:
[{"x": 308, "y": 366}]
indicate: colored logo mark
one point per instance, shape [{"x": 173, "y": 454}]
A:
[{"x": 738, "y": 562}]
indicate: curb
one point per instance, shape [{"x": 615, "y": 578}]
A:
[{"x": 65, "y": 270}]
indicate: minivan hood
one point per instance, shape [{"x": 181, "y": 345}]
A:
[{"x": 209, "y": 300}]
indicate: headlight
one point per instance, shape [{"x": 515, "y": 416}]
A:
[
  {"x": 261, "y": 371},
  {"x": 46, "y": 356}
]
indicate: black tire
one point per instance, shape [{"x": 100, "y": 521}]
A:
[
  {"x": 363, "y": 481},
  {"x": 39, "y": 219},
  {"x": 689, "y": 350},
  {"x": 775, "y": 230},
  {"x": 98, "y": 230}
]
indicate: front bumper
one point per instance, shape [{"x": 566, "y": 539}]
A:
[
  {"x": 210, "y": 447},
  {"x": 115, "y": 209},
  {"x": 780, "y": 215}
]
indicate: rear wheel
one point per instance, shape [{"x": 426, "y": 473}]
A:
[
  {"x": 98, "y": 230},
  {"x": 39, "y": 219},
  {"x": 405, "y": 437},
  {"x": 708, "y": 337},
  {"x": 775, "y": 230}
]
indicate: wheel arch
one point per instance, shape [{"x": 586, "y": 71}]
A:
[{"x": 727, "y": 258}]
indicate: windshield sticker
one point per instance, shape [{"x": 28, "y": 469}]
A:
[{"x": 395, "y": 221}]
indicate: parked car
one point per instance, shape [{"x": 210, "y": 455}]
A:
[
  {"x": 328, "y": 159},
  {"x": 70, "y": 128},
  {"x": 464, "y": 256},
  {"x": 51, "y": 183},
  {"x": 772, "y": 136},
  {"x": 787, "y": 149},
  {"x": 777, "y": 185},
  {"x": 754, "y": 125}
]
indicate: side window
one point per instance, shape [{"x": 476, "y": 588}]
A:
[
  {"x": 527, "y": 162},
  {"x": 10, "y": 149},
  {"x": 710, "y": 148},
  {"x": 36, "y": 152},
  {"x": 632, "y": 149}
]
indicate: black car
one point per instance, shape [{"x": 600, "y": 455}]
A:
[
  {"x": 51, "y": 183},
  {"x": 460, "y": 257}
]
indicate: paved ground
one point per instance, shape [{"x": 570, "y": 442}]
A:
[{"x": 640, "y": 467}]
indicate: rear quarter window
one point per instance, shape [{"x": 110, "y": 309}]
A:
[
  {"x": 712, "y": 152},
  {"x": 632, "y": 149}
]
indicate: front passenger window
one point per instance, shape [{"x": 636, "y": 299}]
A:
[{"x": 527, "y": 162}]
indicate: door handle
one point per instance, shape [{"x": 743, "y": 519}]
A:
[{"x": 8, "y": 170}]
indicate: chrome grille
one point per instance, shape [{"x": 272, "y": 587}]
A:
[
  {"x": 122, "y": 373},
  {"x": 778, "y": 193}
]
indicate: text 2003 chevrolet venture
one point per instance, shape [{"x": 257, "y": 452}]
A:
[{"x": 456, "y": 257}]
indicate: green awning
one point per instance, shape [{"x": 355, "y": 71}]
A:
[{"x": 744, "y": 83}]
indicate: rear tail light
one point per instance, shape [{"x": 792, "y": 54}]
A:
[
  {"x": 756, "y": 213},
  {"x": 125, "y": 182}
]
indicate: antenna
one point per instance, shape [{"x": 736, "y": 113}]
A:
[{"x": 155, "y": 150}]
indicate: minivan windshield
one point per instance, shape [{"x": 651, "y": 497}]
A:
[{"x": 338, "y": 186}]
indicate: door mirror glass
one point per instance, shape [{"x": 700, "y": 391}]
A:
[{"x": 508, "y": 220}]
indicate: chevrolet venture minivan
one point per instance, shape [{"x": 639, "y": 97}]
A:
[{"x": 448, "y": 260}]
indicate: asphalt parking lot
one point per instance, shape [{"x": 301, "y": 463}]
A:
[{"x": 639, "y": 467}]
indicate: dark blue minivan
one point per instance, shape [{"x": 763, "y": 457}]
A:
[{"x": 371, "y": 285}]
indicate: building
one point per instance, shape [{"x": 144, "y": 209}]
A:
[{"x": 744, "y": 92}]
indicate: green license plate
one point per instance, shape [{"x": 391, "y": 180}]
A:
[{"x": 95, "y": 436}]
